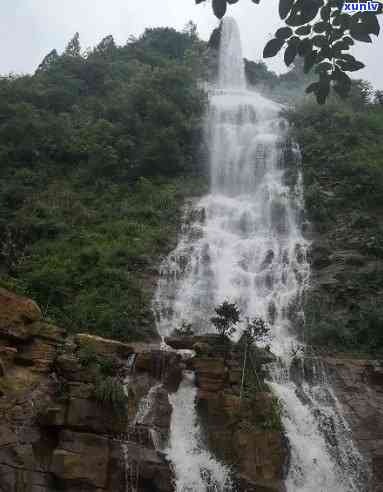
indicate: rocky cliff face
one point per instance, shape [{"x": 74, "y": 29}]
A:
[
  {"x": 245, "y": 430},
  {"x": 62, "y": 425},
  {"x": 66, "y": 423},
  {"x": 358, "y": 384}
]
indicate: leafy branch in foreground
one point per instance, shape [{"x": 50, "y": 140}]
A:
[{"x": 322, "y": 33}]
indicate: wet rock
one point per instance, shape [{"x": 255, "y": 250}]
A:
[
  {"x": 234, "y": 427},
  {"x": 358, "y": 384}
]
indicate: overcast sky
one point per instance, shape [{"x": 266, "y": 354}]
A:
[{"x": 31, "y": 28}]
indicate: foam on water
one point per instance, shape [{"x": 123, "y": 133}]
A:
[{"x": 195, "y": 468}]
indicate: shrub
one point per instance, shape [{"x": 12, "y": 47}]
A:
[
  {"x": 110, "y": 391},
  {"x": 226, "y": 319}
]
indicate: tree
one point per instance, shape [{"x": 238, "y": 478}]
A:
[
  {"x": 73, "y": 47},
  {"x": 106, "y": 47},
  {"x": 322, "y": 33},
  {"x": 48, "y": 61},
  {"x": 226, "y": 319},
  {"x": 256, "y": 330}
]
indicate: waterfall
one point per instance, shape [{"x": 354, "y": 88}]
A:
[
  {"x": 196, "y": 470},
  {"x": 243, "y": 242}
]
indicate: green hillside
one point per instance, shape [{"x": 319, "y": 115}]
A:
[{"x": 98, "y": 152}]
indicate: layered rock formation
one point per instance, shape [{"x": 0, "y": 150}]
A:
[
  {"x": 66, "y": 423},
  {"x": 58, "y": 430},
  {"x": 243, "y": 430},
  {"x": 358, "y": 383}
]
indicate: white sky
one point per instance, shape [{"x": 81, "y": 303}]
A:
[{"x": 31, "y": 28}]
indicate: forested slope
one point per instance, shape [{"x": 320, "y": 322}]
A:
[
  {"x": 97, "y": 152},
  {"x": 342, "y": 153}
]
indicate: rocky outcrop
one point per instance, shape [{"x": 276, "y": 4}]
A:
[
  {"x": 243, "y": 430},
  {"x": 66, "y": 423},
  {"x": 63, "y": 425},
  {"x": 358, "y": 384}
]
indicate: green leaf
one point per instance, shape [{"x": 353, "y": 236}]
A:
[
  {"x": 285, "y": 7},
  {"x": 339, "y": 46},
  {"x": 321, "y": 27},
  {"x": 341, "y": 78},
  {"x": 336, "y": 34},
  {"x": 324, "y": 88},
  {"x": 370, "y": 22},
  {"x": 347, "y": 57},
  {"x": 310, "y": 60},
  {"x": 219, "y": 8},
  {"x": 323, "y": 67},
  {"x": 343, "y": 20},
  {"x": 305, "y": 46},
  {"x": 303, "y": 31},
  {"x": 290, "y": 54},
  {"x": 362, "y": 26},
  {"x": 359, "y": 34},
  {"x": 304, "y": 12},
  {"x": 283, "y": 33},
  {"x": 273, "y": 47},
  {"x": 342, "y": 82},
  {"x": 350, "y": 66},
  {"x": 325, "y": 13},
  {"x": 348, "y": 40},
  {"x": 295, "y": 41},
  {"x": 320, "y": 41}
]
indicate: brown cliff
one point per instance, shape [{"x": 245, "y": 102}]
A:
[{"x": 66, "y": 425}]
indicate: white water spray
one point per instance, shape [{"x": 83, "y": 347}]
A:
[
  {"x": 195, "y": 468},
  {"x": 243, "y": 243}
]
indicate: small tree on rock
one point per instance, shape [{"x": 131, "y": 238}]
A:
[
  {"x": 226, "y": 319},
  {"x": 256, "y": 330}
]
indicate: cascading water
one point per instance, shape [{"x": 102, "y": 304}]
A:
[{"x": 243, "y": 243}]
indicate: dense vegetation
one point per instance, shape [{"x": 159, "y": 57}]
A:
[
  {"x": 343, "y": 177},
  {"x": 97, "y": 152}
]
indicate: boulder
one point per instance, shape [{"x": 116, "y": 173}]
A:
[{"x": 16, "y": 315}]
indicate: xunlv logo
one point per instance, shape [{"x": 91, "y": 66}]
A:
[{"x": 360, "y": 7}]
